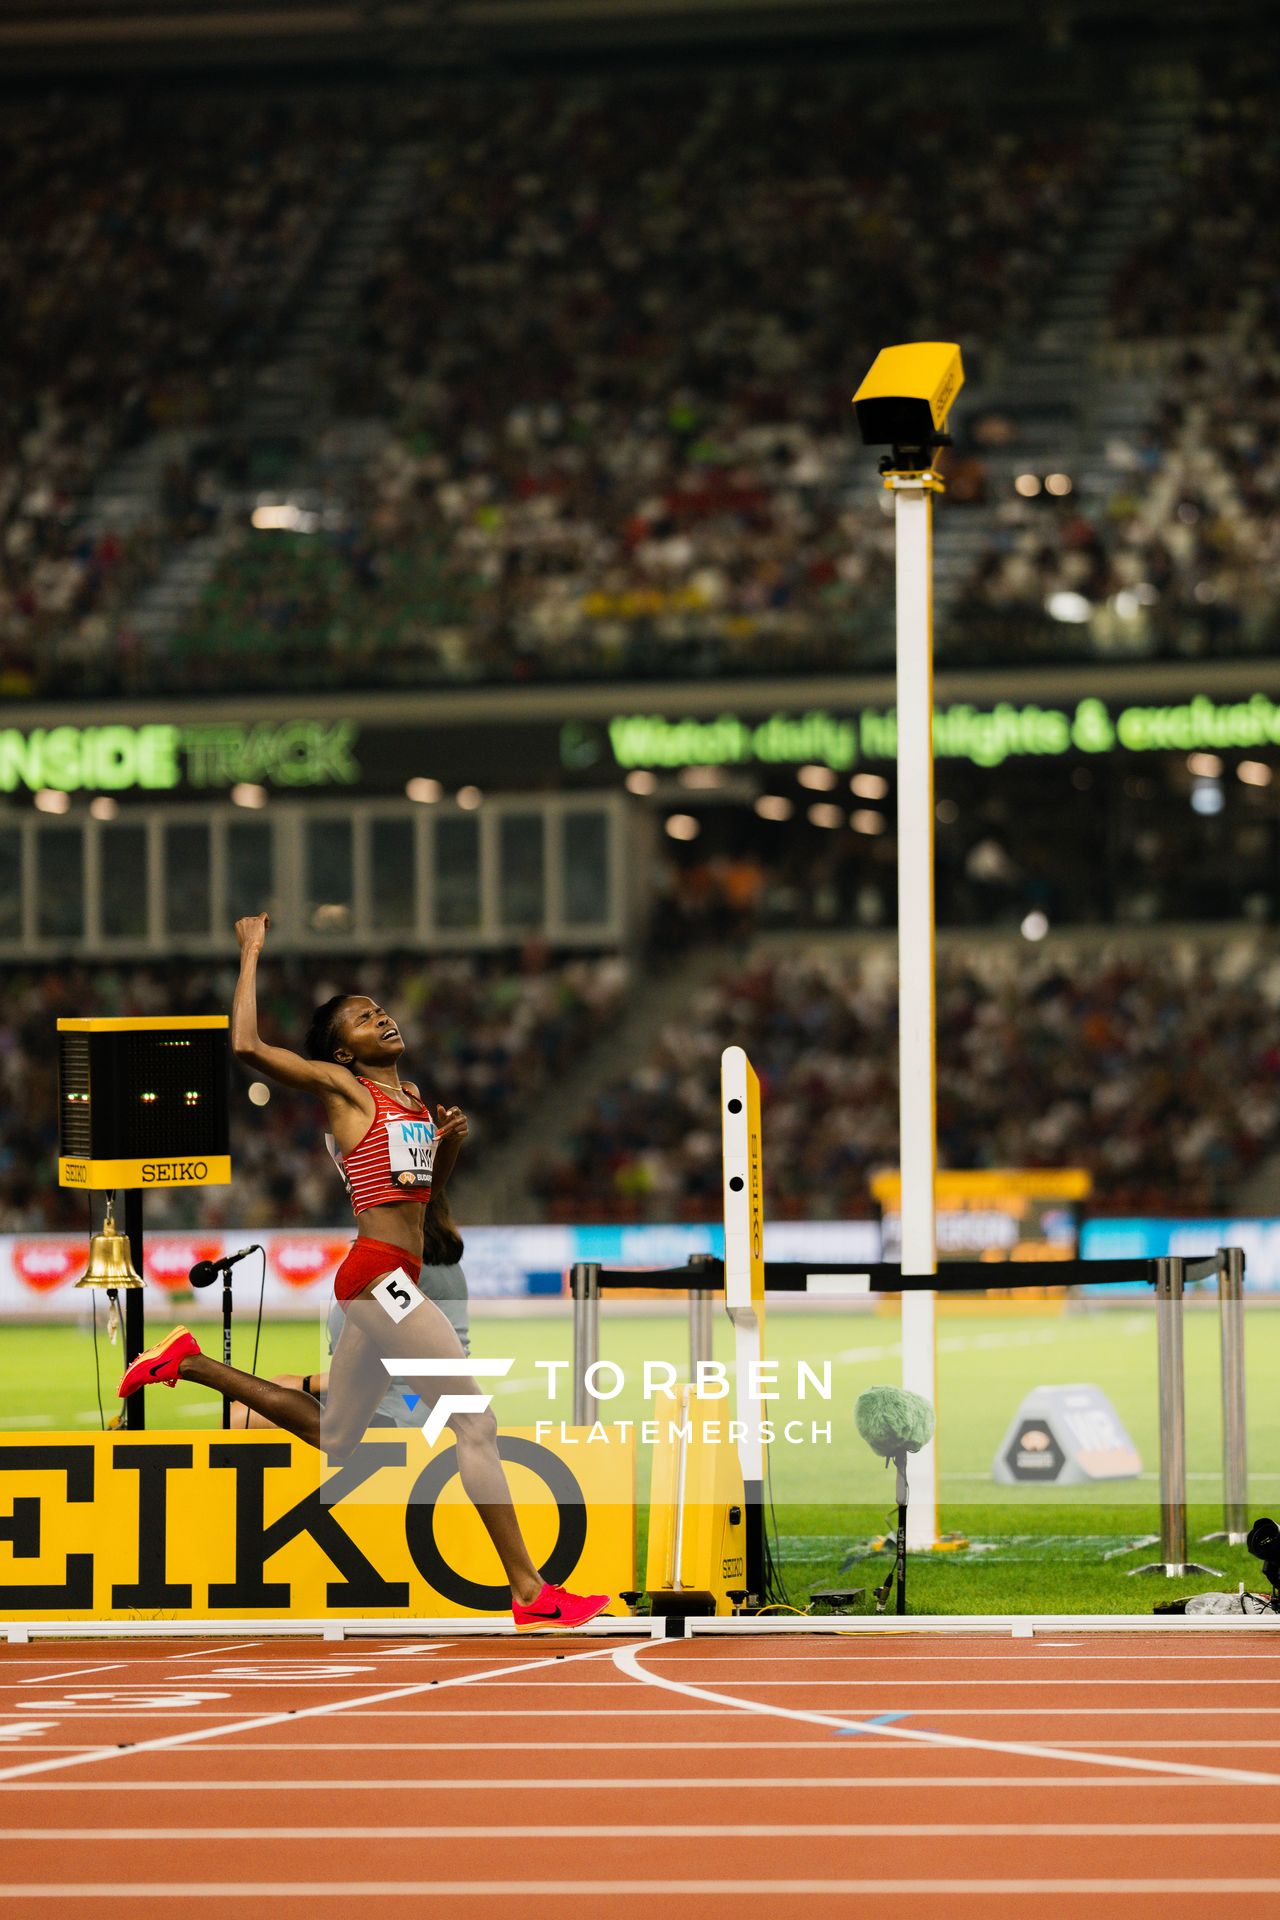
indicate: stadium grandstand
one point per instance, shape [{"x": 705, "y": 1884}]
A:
[{"x": 375, "y": 393}]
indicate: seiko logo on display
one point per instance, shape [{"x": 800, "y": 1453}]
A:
[{"x": 169, "y": 1173}]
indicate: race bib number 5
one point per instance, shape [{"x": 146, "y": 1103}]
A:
[
  {"x": 397, "y": 1296},
  {"x": 411, "y": 1150}
]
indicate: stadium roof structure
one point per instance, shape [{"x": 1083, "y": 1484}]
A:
[{"x": 67, "y": 35}]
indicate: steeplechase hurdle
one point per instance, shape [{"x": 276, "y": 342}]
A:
[{"x": 1168, "y": 1279}]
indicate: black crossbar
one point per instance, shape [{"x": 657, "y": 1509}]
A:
[
  {"x": 959, "y": 1276},
  {"x": 881, "y": 1276}
]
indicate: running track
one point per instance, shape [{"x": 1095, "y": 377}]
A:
[{"x": 1099, "y": 1776}]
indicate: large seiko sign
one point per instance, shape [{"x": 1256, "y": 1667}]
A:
[
  {"x": 113, "y": 759},
  {"x": 985, "y": 736}
]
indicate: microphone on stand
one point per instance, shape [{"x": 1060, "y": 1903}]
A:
[{"x": 205, "y": 1272}]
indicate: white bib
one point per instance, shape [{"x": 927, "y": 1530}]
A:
[{"x": 411, "y": 1151}]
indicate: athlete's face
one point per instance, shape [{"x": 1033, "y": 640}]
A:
[{"x": 368, "y": 1033}]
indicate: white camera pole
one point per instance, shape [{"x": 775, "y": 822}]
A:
[
  {"x": 904, "y": 403},
  {"x": 917, "y": 1063}
]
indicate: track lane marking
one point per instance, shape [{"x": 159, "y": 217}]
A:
[
  {"x": 56, "y": 1679},
  {"x": 671, "y": 1714},
  {"x": 871, "y": 1745},
  {"x": 657, "y": 1830},
  {"x": 234, "y": 1646},
  {"x": 630, "y": 1783},
  {"x": 458, "y": 1889},
  {"x": 627, "y": 1660},
  {"x": 166, "y": 1742}
]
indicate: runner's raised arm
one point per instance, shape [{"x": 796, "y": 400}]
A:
[{"x": 321, "y": 1077}]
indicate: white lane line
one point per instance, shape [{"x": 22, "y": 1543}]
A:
[
  {"x": 738, "y": 1783},
  {"x": 349, "y": 1890},
  {"x": 989, "y": 1682},
  {"x": 1157, "y": 1746},
  {"x": 867, "y": 1745},
  {"x": 270, "y": 1682},
  {"x": 585, "y": 1746},
  {"x": 672, "y": 1713},
  {"x": 233, "y": 1646},
  {"x": 783, "y": 1656},
  {"x": 167, "y": 1741},
  {"x": 719, "y": 1830},
  {"x": 627, "y": 1661},
  {"x": 412, "y": 1653},
  {"x": 56, "y": 1679}
]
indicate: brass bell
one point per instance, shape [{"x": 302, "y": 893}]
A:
[{"x": 110, "y": 1264}]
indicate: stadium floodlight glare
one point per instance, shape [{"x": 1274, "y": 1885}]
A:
[{"x": 905, "y": 399}]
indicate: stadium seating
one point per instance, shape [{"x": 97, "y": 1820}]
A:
[
  {"x": 610, "y": 391},
  {"x": 622, "y": 442},
  {"x": 147, "y": 252},
  {"x": 1155, "y": 1070}
]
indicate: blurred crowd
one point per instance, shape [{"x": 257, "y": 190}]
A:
[
  {"x": 1155, "y": 1072},
  {"x": 1179, "y": 557},
  {"x": 147, "y": 253},
  {"x": 490, "y": 1036},
  {"x": 606, "y": 356},
  {"x": 1206, "y": 265},
  {"x": 615, "y": 338}
]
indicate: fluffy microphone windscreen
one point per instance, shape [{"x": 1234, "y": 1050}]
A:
[{"x": 891, "y": 1420}]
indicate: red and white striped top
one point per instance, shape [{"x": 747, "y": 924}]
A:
[{"x": 394, "y": 1160}]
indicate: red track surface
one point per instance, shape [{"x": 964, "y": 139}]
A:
[{"x": 499, "y": 1777}]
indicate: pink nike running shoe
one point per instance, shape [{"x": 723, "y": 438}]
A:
[
  {"x": 553, "y": 1607},
  {"x": 159, "y": 1363}
]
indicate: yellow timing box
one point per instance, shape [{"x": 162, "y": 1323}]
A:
[
  {"x": 232, "y": 1526},
  {"x": 697, "y": 1511}
]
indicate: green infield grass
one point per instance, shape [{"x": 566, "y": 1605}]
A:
[{"x": 1023, "y": 1549}]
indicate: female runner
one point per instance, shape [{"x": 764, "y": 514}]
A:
[{"x": 381, "y": 1133}]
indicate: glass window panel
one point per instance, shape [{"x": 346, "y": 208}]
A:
[
  {"x": 521, "y": 876},
  {"x": 187, "y": 888},
  {"x": 10, "y": 884},
  {"x": 122, "y": 855},
  {"x": 249, "y": 875},
  {"x": 585, "y": 849},
  {"x": 457, "y": 874},
  {"x": 60, "y": 883},
  {"x": 330, "y": 882},
  {"x": 394, "y": 876}
]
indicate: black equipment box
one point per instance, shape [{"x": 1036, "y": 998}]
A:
[{"x": 143, "y": 1102}]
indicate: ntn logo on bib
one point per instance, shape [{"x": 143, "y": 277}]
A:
[{"x": 411, "y": 1151}]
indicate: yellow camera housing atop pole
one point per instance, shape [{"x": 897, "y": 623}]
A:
[{"x": 905, "y": 401}]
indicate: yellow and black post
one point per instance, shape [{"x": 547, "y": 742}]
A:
[{"x": 143, "y": 1106}]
